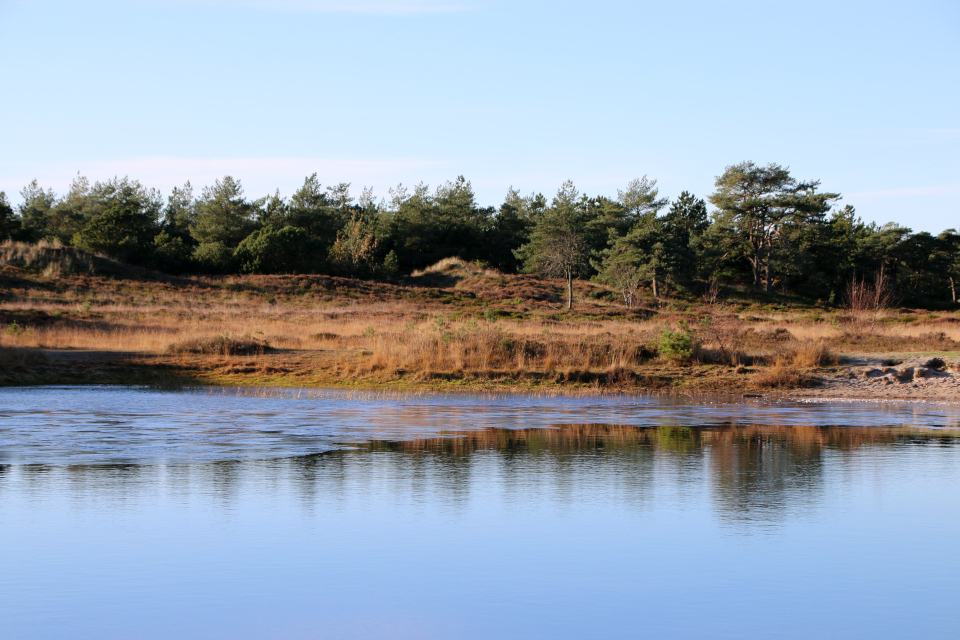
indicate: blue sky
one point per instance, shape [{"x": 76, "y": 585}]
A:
[{"x": 864, "y": 96}]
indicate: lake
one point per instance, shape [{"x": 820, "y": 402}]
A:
[{"x": 224, "y": 513}]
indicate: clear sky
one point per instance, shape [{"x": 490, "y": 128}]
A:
[{"x": 864, "y": 96}]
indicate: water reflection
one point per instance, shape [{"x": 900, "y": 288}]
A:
[{"x": 755, "y": 474}]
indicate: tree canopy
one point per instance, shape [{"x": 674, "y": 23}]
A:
[{"x": 766, "y": 230}]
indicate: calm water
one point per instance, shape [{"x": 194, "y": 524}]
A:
[{"x": 129, "y": 513}]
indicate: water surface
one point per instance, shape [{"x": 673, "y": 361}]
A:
[{"x": 128, "y": 513}]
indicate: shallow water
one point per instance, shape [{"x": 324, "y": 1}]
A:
[{"x": 129, "y": 513}]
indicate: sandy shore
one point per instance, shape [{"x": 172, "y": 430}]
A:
[{"x": 890, "y": 376}]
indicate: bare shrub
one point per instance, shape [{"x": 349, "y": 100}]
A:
[
  {"x": 711, "y": 292},
  {"x": 721, "y": 340},
  {"x": 866, "y": 300}
]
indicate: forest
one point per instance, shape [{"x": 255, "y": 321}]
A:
[{"x": 760, "y": 229}]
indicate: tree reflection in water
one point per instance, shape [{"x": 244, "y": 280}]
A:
[{"x": 754, "y": 474}]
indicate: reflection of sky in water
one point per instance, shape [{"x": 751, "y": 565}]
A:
[
  {"x": 63, "y": 425},
  {"x": 137, "y": 514}
]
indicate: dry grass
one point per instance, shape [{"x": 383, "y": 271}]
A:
[
  {"x": 782, "y": 375},
  {"x": 487, "y": 348},
  {"x": 53, "y": 258},
  {"x": 810, "y": 354},
  {"x": 369, "y": 329},
  {"x": 456, "y": 266}
]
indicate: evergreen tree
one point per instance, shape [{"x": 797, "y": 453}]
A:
[
  {"x": 9, "y": 222},
  {"x": 755, "y": 204},
  {"x": 223, "y": 215},
  {"x": 558, "y": 244},
  {"x": 122, "y": 218}
]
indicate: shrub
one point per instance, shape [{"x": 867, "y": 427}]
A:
[
  {"x": 495, "y": 314},
  {"x": 171, "y": 254},
  {"x": 677, "y": 345},
  {"x": 269, "y": 250},
  {"x": 214, "y": 257}
]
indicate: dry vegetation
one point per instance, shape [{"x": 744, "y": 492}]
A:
[{"x": 452, "y": 323}]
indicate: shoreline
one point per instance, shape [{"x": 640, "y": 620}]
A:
[{"x": 862, "y": 377}]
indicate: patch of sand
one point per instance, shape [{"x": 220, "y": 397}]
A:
[{"x": 891, "y": 376}]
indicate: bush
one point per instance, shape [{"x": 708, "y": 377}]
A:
[
  {"x": 677, "y": 345},
  {"x": 171, "y": 254},
  {"x": 390, "y": 267},
  {"x": 214, "y": 257},
  {"x": 269, "y": 250},
  {"x": 491, "y": 315}
]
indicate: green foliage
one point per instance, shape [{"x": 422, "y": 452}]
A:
[
  {"x": 223, "y": 215},
  {"x": 9, "y": 223},
  {"x": 121, "y": 221},
  {"x": 677, "y": 345},
  {"x": 321, "y": 213},
  {"x": 269, "y": 250},
  {"x": 171, "y": 254},
  {"x": 510, "y": 230},
  {"x": 353, "y": 254},
  {"x": 423, "y": 228},
  {"x": 180, "y": 213},
  {"x": 492, "y": 315},
  {"x": 768, "y": 230},
  {"x": 757, "y": 208},
  {"x": 391, "y": 266},
  {"x": 36, "y": 210},
  {"x": 558, "y": 244},
  {"x": 214, "y": 257}
]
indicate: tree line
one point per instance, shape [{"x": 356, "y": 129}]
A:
[{"x": 766, "y": 230}]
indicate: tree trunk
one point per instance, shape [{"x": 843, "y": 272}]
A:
[
  {"x": 569, "y": 292},
  {"x": 757, "y": 263},
  {"x": 953, "y": 290},
  {"x": 769, "y": 279},
  {"x": 893, "y": 281},
  {"x": 653, "y": 284}
]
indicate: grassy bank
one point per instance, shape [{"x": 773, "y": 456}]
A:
[{"x": 453, "y": 326}]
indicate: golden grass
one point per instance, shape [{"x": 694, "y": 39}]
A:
[
  {"x": 374, "y": 329},
  {"x": 810, "y": 354},
  {"x": 782, "y": 375}
]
